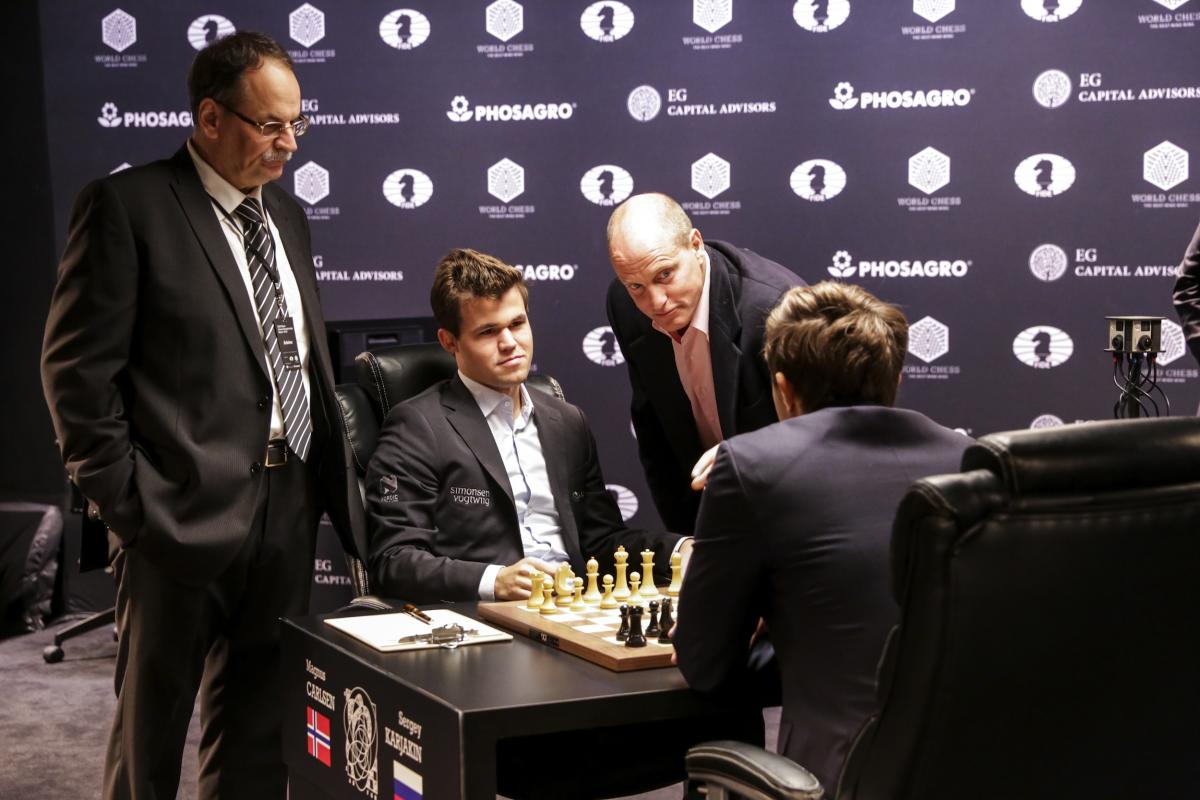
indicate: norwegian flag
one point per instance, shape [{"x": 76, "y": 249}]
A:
[{"x": 318, "y": 736}]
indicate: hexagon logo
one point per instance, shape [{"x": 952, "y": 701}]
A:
[
  {"x": 407, "y": 188},
  {"x": 1050, "y": 10},
  {"x": 600, "y": 345},
  {"x": 1173, "y": 344},
  {"x": 843, "y": 265},
  {"x": 712, "y": 15},
  {"x": 505, "y": 180},
  {"x": 606, "y": 185},
  {"x": 820, "y": 16},
  {"x": 118, "y": 30},
  {"x": 606, "y": 21},
  {"x": 306, "y": 25},
  {"x": 1048, "y": 262},
  {"x": 929, "y": 170},
  {"x": 1043, "y": 347},
  {"x": 928, "y": 339},
  {"x": 1044, "y": 175},
  {"x": 817, "y": 180},
  {"x": 627, "y": 501},
  {"x": 1165, "y": 165},
  {"x": 1170, "y": 4},
  {"x": 207, "y": 29},
  {"x": 311, "y": 183},
  {"x": 504, "y": 19},
  {"x": 404, "y": 29},
  {"x": 710, "y": 175},
  {"x": 932, "y": 10},
  {"x": 644, "y": 103}
]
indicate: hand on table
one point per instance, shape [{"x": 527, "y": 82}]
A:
[{"x": 513, "y": 582}]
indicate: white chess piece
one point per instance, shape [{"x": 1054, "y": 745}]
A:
[
  {"x": 648, "y": 587},
  {"x": 577, "y": 603},
  {"x": 608, "y": 601},
  {"x": 592, "y": 595},
  {"x": 676, "y": 575},
  {"x": 621, "y": 592},
  {"x": 635, "y": 596},
  {"x": 548, "y": 605},
  {"x": 535, "y": 591}
]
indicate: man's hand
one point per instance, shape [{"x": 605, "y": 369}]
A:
[
  {"x": 513, "y": 582},
  {"x": 704, "y": 466}
]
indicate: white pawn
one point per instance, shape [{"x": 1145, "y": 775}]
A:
[
  {"x": 622, "y": 590},
  {"x": 676, "y": 575},
  {"x": 592, "y": 595},
  {"x": 648, "y": 587},
  {"x": 548, "y": 605},
  {"x": 535, "y": 591},
  {"x": 635, "y": 597},
  {"x": 577, "y": 603},
  {"x": 608, "y": 601}
]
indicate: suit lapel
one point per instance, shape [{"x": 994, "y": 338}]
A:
[
  {"x": 553, "y": 436},
  {"x": 724, "y": 331},
  {"x": 463, "y": 414}
]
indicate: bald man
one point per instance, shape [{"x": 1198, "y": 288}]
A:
[{"x": 688, "y": 316}]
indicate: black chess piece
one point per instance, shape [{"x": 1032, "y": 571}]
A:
[
  {"x": 636, "y": 637},
  {"x": 652, "y": 630},
  {"x": 666, "y": 622},
  {"x": 623, "y": 631}
]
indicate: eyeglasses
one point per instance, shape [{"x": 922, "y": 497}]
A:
[{"x": 272, "y": 129}]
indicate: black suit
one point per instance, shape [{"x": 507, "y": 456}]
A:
[
  {"x": 441, "y": 509},
  {"x": 153, "y": 367},
  {"x": 1187, "y": 295},
  {"x": 795, "y": 528},
  {"x": 743, "y": 289}
]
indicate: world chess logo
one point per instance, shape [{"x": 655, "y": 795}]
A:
[
  {"x": 404, "y": 29},
  {"x": 600, "y": 345},
  {"x": 109, "y": 116},
  {"x": 306, "y": 25},
  {"x": 1052, "y": 88},
  {"x": 1050, "y": 10},
  {"x": 712, "y": 15},
  {"x": 843, "y": 97},
  {"x": 1170, "y": 4},
  {"x": 1048, "y": 262},
  {"x": 207, "y": 29},
  {"x": 1043, "y": 347},
  {"x": 710, "y": 175},
  {"x": 1045, "y": 421},
  {"x": 460, "y": 109},
  {"x": 408, "y": 188},
  {"x": 1044, "y": 175},
  {"x": 606, "y": 185},
  {"x": 606, "y": 21},
  {"x": 505, "y": 180},
  {"x": 842, "y": 266},
  {"x": 820, "y": 16},
  {"x": 929, "y": 170},
  {"x": 311, "y": 183},
  {"x": 1172, "y": 341},
  {"x": 644, "y": 103},
  {"x": 1165, "y": 165},
  {"x": 627, "y": 501},
  {"x": 817, "y": 180},
  {"x": 932, "y": 10},
  {"x": 124, "y": 165},
  {"x": 360, "y": 725},
  {"x": 504, "y": 19},
  {"x": 928, "y": 339},
  {"x": 118, "y": 30}
]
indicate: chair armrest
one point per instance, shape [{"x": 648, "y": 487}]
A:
[{"x": 751, "y": 771}]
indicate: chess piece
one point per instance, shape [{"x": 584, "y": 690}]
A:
[
  {"x": 608, "y": 601},
  {"x": 652, "y": 630},
  {"x": 564, "y": 584},
  {"x": 535, "y": 591},
  {"x": 648, "y": 587},
  {"x": 592, "y": 595},
  {"x": 676, "y": 575},
  {"x": 623, "y": 631},
  {"x": 666, "y": 622},
  {"x": 635, "y": 596},
  {"x": 577, "y": 604},
  {"x": 621, "y": 593},
  {"x": 636, "y": 637},
  {"x": 548, "y": 605}
]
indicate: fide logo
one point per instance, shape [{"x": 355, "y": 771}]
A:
[
  {"x": 606, "y": 185},
  {"x": 607, "y": 21},
  {"x": 932, "y": 10},
  {"x": 109, "y": 116},
  {"x": 1173, "y": 344},
  {"x": 1050, "y": 10},
  {"x": 311, "y": 183},
  {"x": 118, "y": 30},
  {"x": 928, "y": 339},
  {"x": 712, "y": 15},
  {"x": 1043, "y": 347},
  {"x": 627, "y": 501},
  {"x": 404, "y": 29},
  {"x": 359, "y": 723},
  {"x": 306, "y": 25},
  {"x": 929, "y": 170},
  {"x": 1052, "y": 88},
  {"x": 817, "y": 180},
  {"x": 644, "y": 103},
  {"x": 600, "y": 345},
  {"x": 506, "y": 180},
  {"x": 408, "y": 188},
  {"x": 820, "y": 16},
  {"x": 1048, "y": 262},
  {"x": 1044, "y": 175},
  {"x": 207, "y": 29},
  {"x": 504, "y": 19},
  {"x": 1165, "y": 165},
  {"x": 1045, "y": 421},
  {"x": 710, "y": 175}
]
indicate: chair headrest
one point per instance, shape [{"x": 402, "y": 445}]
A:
[
  {"x": 362, "y": 426},
  {"x": 391, "y": 375}
]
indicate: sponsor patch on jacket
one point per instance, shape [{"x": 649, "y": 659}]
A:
[{"x": 470, "y": 496}]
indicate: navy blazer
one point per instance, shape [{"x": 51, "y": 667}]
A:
[{"x": 743, "y": 289}]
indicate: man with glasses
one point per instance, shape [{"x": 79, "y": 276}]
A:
[{"x": 191, "y": 389}]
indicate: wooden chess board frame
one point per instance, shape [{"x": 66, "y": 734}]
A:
[{"x": 514, "y": 616}]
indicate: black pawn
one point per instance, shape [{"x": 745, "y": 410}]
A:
[
  {"x": 666, "y": 622},
  {"x": 636, "y": 637},
  {"x": 623, "y": 631},
  {"x": 652, "y": 630}
]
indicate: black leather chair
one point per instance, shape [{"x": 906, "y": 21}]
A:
[{"x": 1049, "y": 642}]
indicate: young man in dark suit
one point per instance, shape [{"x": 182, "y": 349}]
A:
[
  {"x": 795, "y": 524},
  {"x": 191, "y": 389},
  {"x": 688, "y": 316}
]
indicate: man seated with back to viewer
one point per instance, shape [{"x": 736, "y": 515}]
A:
[{"x": 795, "y": 524}]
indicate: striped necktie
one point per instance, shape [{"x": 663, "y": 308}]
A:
[{"x": 260, "y": 255}]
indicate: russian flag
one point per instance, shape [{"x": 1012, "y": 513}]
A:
[
  {"x": 406, "y": 784},
  {"x": 318, "y": 736}
]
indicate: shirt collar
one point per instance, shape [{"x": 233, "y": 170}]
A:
[
  {"x": 489, "y": 399},
  {"x": 700, "y": 319},
  {"x": 226, "y": 195}
]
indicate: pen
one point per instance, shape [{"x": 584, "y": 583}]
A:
[{"x": 412, "y": 610}]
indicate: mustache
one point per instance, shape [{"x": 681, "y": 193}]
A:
[{"x": 274, "y": 156}]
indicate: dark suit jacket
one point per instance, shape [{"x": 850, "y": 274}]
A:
[
  {"x": 795, "y": 528},
  {"x": 440, "y": 508},
  {"x": 154, "y": 372},
  {"x": 744, "y": 288},
  {"x": 1187, "y": 295}
]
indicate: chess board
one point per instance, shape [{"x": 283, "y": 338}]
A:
[{"x": 588, "y": 634}]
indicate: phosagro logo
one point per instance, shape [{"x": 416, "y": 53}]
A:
[
  {"x": 1042, "y": 347},
  {"x": 606, "y": 185},
  {"x": 1052, "y": 88},
  {"x": 111, "y": 118},
  {"x": 606, "y": 21},
  {"x": 820, "y": 16},
  {"x": 843, "y": 266},
  {"x": 408, "y": 188},
  {"x": 627, "y": 501},
  {"x": 1044, "y": 175},
  {"x": 818, "y": 179},
  {"x": 548, "y": 272},
  {"x": 1048, "y": 262},
  {"x": 843, "y": 98},
  {"x": 1050, "y": 10},
  {"x": 600, "y": 345},
  {"x": 461, "y": 111},
  {"x": 404, "y": 29},
  {"x": 207, "y": 29}
]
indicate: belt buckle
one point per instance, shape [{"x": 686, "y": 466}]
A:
[{"x": 276, "y": 453}]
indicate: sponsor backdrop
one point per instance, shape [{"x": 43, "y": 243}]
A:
[{"x": 1008, "y": 171}]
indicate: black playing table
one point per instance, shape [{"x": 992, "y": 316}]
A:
[{"x": 440, "y": 713}]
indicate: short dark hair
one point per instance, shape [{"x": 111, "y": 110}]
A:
[
  {"x": 837, "y": 344},
  {"x": 463, "y": 274},
  {"x": 217, "y": 70}
]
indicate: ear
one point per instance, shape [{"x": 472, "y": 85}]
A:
[
  {"x": 207, "y": 116},
  {"x": 447, "y": 340},
  {"x": 787, "y": 405},
  {"x": 695, "y": 240}
]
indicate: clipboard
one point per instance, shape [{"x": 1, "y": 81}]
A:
[{"x": 384, "y": 631}]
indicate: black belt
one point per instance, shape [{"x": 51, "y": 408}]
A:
[{"x": 276, "y": 453}]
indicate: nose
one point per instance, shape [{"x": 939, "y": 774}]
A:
[
  {"x": 287, "y": 141},
  {"x": 658, "y": 297},
  {"x": 507, "y": 340}
]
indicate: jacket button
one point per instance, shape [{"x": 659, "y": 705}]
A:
[{"x": 256, "y": 468}]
